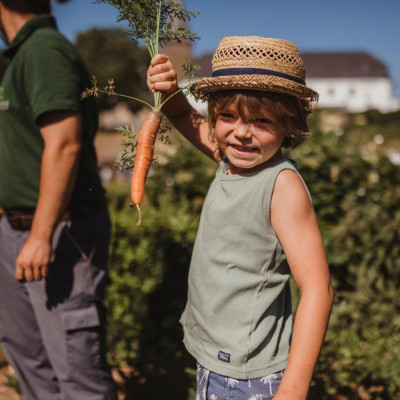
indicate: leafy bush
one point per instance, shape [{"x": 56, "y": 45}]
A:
[
  {"x": 355, "y": 192},
  {"x": 149, "y": 268},
  {"x": 366, "y": 125}
]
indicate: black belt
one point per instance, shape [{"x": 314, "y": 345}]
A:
[{"x": 22, "y": 218}]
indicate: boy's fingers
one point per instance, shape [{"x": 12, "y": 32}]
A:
[
  {"x": 162, "y": 77},
  {"x": 159, "y": 58},
  {"x": 161, "y": 68},
  {"x": 163, "y": 86}
]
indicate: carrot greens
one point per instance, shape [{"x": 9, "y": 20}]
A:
[{"x": 155, "y": 23}]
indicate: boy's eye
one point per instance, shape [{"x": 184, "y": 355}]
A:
[
  {"x": 226, "y": 117},
  {"x": 262, "y": 121}
]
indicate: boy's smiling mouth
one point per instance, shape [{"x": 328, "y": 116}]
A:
[{"x": 244, "y": 149}]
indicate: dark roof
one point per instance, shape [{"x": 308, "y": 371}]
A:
[
  {"x": 343, "y": 65},
  {"x": 325, "y": 65}
]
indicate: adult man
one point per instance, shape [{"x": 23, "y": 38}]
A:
[{"x": 55, "y": 224}]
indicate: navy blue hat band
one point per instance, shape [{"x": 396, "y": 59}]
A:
[{"x": 255, "y": 71}]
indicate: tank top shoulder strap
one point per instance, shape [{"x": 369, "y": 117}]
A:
[
  {"x": 281, "y": 166},
  {"x": 270, "y": 183}
]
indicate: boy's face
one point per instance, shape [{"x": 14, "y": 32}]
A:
[{"x": 251, "y": 142}]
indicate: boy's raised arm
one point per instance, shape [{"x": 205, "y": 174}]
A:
[{"x": 161, "y": 76}]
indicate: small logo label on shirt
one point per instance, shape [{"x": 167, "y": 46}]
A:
[
  {"x": 4, "y": 105},
  {"x": 224, "y": 356}
]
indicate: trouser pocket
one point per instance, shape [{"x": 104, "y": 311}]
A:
[{"x": 83, "y": 338}]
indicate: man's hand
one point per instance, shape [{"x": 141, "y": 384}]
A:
[
  {"x": 61, "y": 135},
  {"x": 33, "y": 260}
]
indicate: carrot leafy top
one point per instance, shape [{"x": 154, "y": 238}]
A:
[{"x": 154, "y": 22}]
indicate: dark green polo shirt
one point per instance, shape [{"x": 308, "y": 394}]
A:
[{"x": 45, "y": 74}]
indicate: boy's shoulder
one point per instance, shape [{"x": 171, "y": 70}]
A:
[{"x": 290, "y": 185}]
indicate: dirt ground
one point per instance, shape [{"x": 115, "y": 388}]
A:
[{"x": 6, "y": 393}]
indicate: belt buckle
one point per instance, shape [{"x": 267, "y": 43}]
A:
[{"x": 18, "y": 223}]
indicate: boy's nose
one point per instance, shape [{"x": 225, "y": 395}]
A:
[{"x": 242, "y": 130}]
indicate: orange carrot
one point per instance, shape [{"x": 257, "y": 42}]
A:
[{"x": 144, "y": 157}]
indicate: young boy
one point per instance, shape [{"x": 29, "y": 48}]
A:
[{"x": 257, "y": 225}]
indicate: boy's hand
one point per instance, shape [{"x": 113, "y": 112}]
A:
[{"x": 161, "y": 75}]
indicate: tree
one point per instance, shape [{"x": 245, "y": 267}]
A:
[{"x": 110, "y": 54}]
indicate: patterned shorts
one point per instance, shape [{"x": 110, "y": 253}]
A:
[{"x": 211, "y": 386}]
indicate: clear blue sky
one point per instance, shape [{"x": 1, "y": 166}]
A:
[{"x": 314, "y": 25}]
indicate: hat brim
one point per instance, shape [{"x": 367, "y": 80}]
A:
[{"x": 203, "y": 88}]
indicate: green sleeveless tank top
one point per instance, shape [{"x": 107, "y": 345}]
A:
[{"x": 238, "y": 317}]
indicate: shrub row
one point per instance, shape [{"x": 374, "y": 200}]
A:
[{"x": 355, "y": 192}]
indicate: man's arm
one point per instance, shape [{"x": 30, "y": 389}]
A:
[{"x": 61, "y": 134}]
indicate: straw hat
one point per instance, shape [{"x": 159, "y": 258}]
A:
[{"x": 256, "y": 63}]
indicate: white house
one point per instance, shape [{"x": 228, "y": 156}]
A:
[{"x": 352, "y": 81}]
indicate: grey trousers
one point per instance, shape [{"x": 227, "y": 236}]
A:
[{"x": 52, "y": 331}]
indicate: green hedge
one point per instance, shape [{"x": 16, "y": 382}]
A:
[
  {"x": 148, "y": 278},
  {"x": 355, "y": 192}
]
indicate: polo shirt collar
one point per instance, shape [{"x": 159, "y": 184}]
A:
[{"x": 41, "y": 21}]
